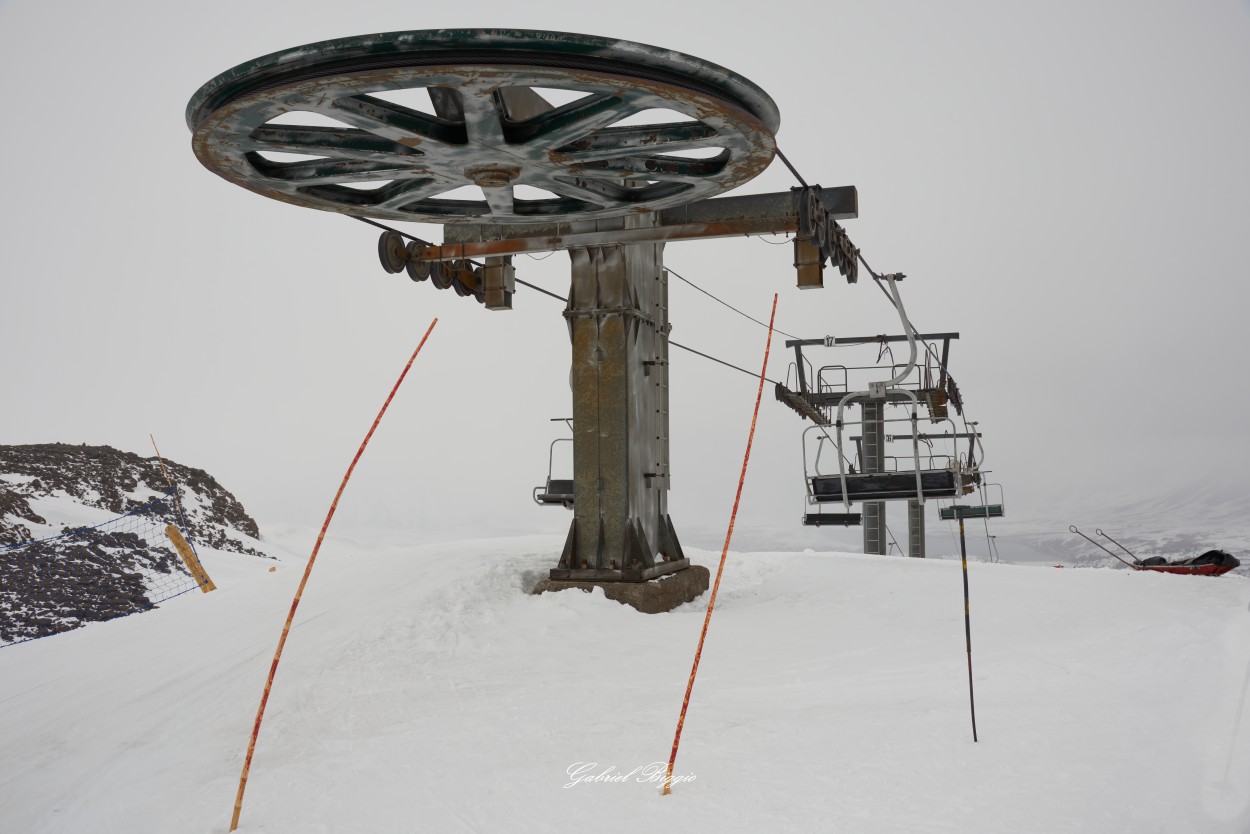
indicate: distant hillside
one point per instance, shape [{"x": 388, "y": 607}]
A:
[
  {"x": 1185, "y": 521},
  {"x": 94, "y": 573},
  {"x": 36, "y": 482}
]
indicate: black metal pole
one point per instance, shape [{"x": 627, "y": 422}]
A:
[{"x": 963, "y": 556}]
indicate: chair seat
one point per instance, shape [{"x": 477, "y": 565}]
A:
[
  {"x": 833, "y": 519},
  {"x": 557, "y": 492},
  {"x": 884, "y": 486},
  {"x": 974, "y": 511}
]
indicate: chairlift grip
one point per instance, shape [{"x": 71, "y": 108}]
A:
[
  {"x": 911, "y": 363},
  {"x": 907, "y": 329}
]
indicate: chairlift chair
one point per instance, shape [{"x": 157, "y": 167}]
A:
[
  {"x": 557, "y": 492},
  {"x": 983, "y": 510},
  {"x": 885, "y": 486},
  {"x": 956, "y": 475}
]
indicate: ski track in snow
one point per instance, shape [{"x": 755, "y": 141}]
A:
[{"x": 422, "y": 689}]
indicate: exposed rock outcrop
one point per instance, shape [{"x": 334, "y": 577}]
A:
[
  {"x": 68, "y": 575},
  {"x": 109, "y": 479}
]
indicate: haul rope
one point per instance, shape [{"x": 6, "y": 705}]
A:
[
  {"x": 707, "y": 618},
  {"x": 286, "y": 628}
]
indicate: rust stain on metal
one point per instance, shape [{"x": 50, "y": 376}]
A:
[{"x": 492, "y": 176}]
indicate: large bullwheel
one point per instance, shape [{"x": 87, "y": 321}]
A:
[{"x": 551, "y": 127}]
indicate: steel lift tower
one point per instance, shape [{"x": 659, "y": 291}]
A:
[{"x": 554, "y": 130}]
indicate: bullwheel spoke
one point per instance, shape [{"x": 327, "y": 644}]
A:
[
  {"x": 662, "y": 167},
  {"x": 399, "y": 124},
  {"x": 484, "y": 110},
  {"x": 340, "y": 143},
  {"x": 399, "y": 195},
  {"x": 613, "y": 142},
  {"x": 326, "y": 171},
  {"x": 614, "y": 193},
  {"x": 571, "y": 122},
  {"x": 501, "y": 200}
]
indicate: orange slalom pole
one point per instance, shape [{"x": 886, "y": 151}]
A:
[
  {"x": 277, "y": 655},
  {"x": 698, "y": 653}
]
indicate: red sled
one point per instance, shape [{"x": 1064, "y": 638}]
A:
[{"x": 1211, "y": 563}]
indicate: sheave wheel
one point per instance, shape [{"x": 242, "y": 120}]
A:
[
  {"x": 483, "y": 125},
  {"x": 392, "y": 252}
]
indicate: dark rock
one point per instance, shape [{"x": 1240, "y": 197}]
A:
[
  {"x": 96, "y": 574},
  {"x": 107, "y": 478}
]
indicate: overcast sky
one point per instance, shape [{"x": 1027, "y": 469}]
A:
[{"x": 1066, "y": 184}]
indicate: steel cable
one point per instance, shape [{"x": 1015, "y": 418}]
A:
[{"x": 558, "y": 297}]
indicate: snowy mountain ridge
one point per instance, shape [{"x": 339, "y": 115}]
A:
[
  {"x": 1190, "y": 519},
  {"x": 45, "y": 487},
  {"x": 86, "y": 533}
]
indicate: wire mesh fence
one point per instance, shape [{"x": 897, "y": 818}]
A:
[{"x": 90, "y": 574}]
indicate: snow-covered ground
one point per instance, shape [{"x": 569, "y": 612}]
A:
[{"x": 423, "y": 690}]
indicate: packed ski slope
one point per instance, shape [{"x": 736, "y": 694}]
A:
[{"x": 423, "y": 690}]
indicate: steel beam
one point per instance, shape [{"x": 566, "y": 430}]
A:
[
  {"x": 915, "y": 528},
  {"x": 873, "y": 460},
  {"x": 872, "y": 340},
  {"x": 756, "y": 214}
]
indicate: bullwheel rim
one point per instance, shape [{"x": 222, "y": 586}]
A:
[{"x": 538, "y": 126}]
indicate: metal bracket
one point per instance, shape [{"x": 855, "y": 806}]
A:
[
  {"x": 499, "y": 282},
  {"x": 810, "y": 264},
  {"x": 597, "y": 312}
]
